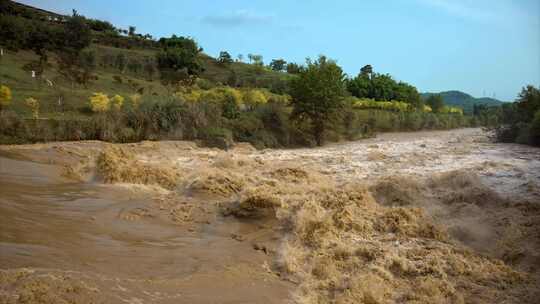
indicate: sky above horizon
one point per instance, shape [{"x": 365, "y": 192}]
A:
[{"x": 481, "y": 47}]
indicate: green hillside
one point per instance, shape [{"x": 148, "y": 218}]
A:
[
  {"x": 120, "y": 63},
  {"x": 61, "y": 96},
  {"x": 464, "y": 100}
]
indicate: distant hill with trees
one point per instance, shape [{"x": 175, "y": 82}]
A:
[{"x": 464, "y": 100}]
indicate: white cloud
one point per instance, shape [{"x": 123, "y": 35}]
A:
[
  {"x": 465, "y": 9},
  {"x": 237, "y": 18}
]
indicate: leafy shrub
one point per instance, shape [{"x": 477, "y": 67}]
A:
[
  {"x": 12, "y": 128},
  {"x": 5, "y": 96},
  {"x": 218, "y": 138},
  {"x": 99, "y": 102},
  {"x": 397, "y": 106},
  {"x": 116, "y": 102},
  {"x": 33, "y": 105},
  {"x": 191, "y": 96},
  {"x": 204, "y": 84},
  {"x": 245, "y": 126},
  {"x": 523, "y": 133},
  {"x": 535, "y": 129},
  {"x": 254, "y": 97},
  {"x": 451, "y": 110},
  {"x": 275, "y": 117}
]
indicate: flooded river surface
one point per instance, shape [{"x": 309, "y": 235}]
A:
[{"x": 425, "y": 217}]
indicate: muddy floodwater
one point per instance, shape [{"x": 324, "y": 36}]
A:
[{"x": 424, "y": 217}]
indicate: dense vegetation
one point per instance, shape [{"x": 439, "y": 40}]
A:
[
  {"x": 464, "y": 100},
  {"x": 517, "y": 122},
  {"x": 91, "y": 80},
  {"x": 383, "y": 87}
]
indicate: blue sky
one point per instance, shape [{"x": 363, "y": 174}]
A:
[{"x": 477, "y": 46}]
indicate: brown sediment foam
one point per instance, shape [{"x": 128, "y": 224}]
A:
[
  {"x": 341, "y": 238},
  {"x": 118, "y": 165},
  {"x": 473, "y": 213},
  {"x": 462, "y": 186},
  {"x": 216, "y": 182},
  {"x": 255, "y": 203},
  {"x": 376, "y": 156},
  {"x": 293, "y": 174},
  {"x": 398, "y": 191},
  {"x": 46, "y": 288}
]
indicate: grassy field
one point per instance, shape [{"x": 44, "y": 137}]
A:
[{"x": 73, "y": 99}]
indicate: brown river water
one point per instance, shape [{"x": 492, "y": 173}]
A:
[{"x": 425, "y": 217}]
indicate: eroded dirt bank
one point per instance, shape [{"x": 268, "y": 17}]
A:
[{"x": 426, "y": 217}]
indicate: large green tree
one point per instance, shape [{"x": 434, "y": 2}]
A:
[
  {"x": 224, "y": 58},
  {"x": 368, "y": 84},
  {"x": 14, "y": 32},
  {"x": 293, "y": 68},
  {"x": 178, "y": 58},
  {"x": 317, "y": 94},
  {"x": 257, "y": 59},
  {"x": 360, "y": 86},
  {"x": 70, "y": 42},
  {"x": 278, "y": 64},
  {"x": 366, "y": 70},
  {"x": 131, "y": 30},
  {"x": 408, "y": 93},
  {"x": 528, "y": 102}
]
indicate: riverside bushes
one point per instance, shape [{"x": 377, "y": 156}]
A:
[
  {"x": 267, "y": 126},
  {"x": 217, "y": 117},
  {"x": 517, "y": 122}
]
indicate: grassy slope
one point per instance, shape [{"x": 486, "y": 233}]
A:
[{"x": 23, "y": 86}]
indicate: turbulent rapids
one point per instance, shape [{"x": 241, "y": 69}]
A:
[{"x": 425, "y": 217}]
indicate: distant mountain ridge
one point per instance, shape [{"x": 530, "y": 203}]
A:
[{"x": 464, "y": 100}]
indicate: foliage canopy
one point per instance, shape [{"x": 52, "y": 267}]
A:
[{"x": 317, "y": 94}]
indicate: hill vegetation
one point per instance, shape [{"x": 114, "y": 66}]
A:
[
  {"x": 464, "y": 100},
  {"x": 517, "y": 122},
  {"x": 73, "y": 77}
]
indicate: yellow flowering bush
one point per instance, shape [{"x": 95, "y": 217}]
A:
[
  {"x": 5, "y": 96},
  {"x": 398, "y": 106},
  {"x": 33, "y": 104},
  {"x": 254, "y": 97},
  {"x": 191, "y": 96},
  {"x": 117, "y": 101},
  {"x": 452, "y": 110},
  {"x": 99, "y": 102},
  {"x": 232, "y": 95},
  {"x": 221, "y": 95},
  {"x": 211, "y": 96},
  {"x": 278, "y": 98}
]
